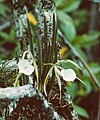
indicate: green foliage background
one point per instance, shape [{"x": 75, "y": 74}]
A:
[{"x": 74, "y": 20}]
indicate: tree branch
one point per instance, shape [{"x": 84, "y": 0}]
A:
[
  {"x": 29, "y": 91},
  {"x": 22, "y": 26}
]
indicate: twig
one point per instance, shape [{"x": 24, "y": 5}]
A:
[
  {"x": 79, "y": 57},
  {"x": 12, "y": 93}
]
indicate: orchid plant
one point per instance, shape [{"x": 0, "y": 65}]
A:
[
  {"x": 62, "y": 73},
  {"x": 27, "y": 67}
]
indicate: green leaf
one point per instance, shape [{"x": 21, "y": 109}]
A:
[
  {"x": 61, "y": 3},
  {"x": 72, "y": 6},
  {"x": 94, "y": 67},
  {"x": 66, "y": 25},
  {"x": 88, "y": 87},
  {"x": 12, "y": 36},
  {"x": 81, "y": 111},
  {"x": 97, "y": 1},
  {"x": 67, "y": 6},
  {"x": 4, "y": 35},
  {"x": 69, "y": 64},
  {"x": 81, "y": 53},
  {"x": 73, "y": 90},
  {"x": 3, "y": 9},
  {"x": 87, "y": 40}
]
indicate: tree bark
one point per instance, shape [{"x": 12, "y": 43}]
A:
[{"x": 29, "y": 91}]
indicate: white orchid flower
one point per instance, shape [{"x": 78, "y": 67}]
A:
[
  {"x": 68, "y": 74},
  {"x": 25, "y": 67}
]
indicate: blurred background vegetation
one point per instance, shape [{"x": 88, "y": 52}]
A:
[{"x": 79, "y": 20}]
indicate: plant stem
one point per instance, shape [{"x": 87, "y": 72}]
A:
[
  {"x": 79, "y": 57},
  {"x": 40, "y": 58}
]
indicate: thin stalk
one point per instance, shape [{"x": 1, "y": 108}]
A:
[
  {"x": 46, "y": 51},
  {"x": 40, "y": 58},
  {"x": 53, "y": 39},
  {"x": 45, "y": 39},
  {"x": 31, "y": 40}
]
